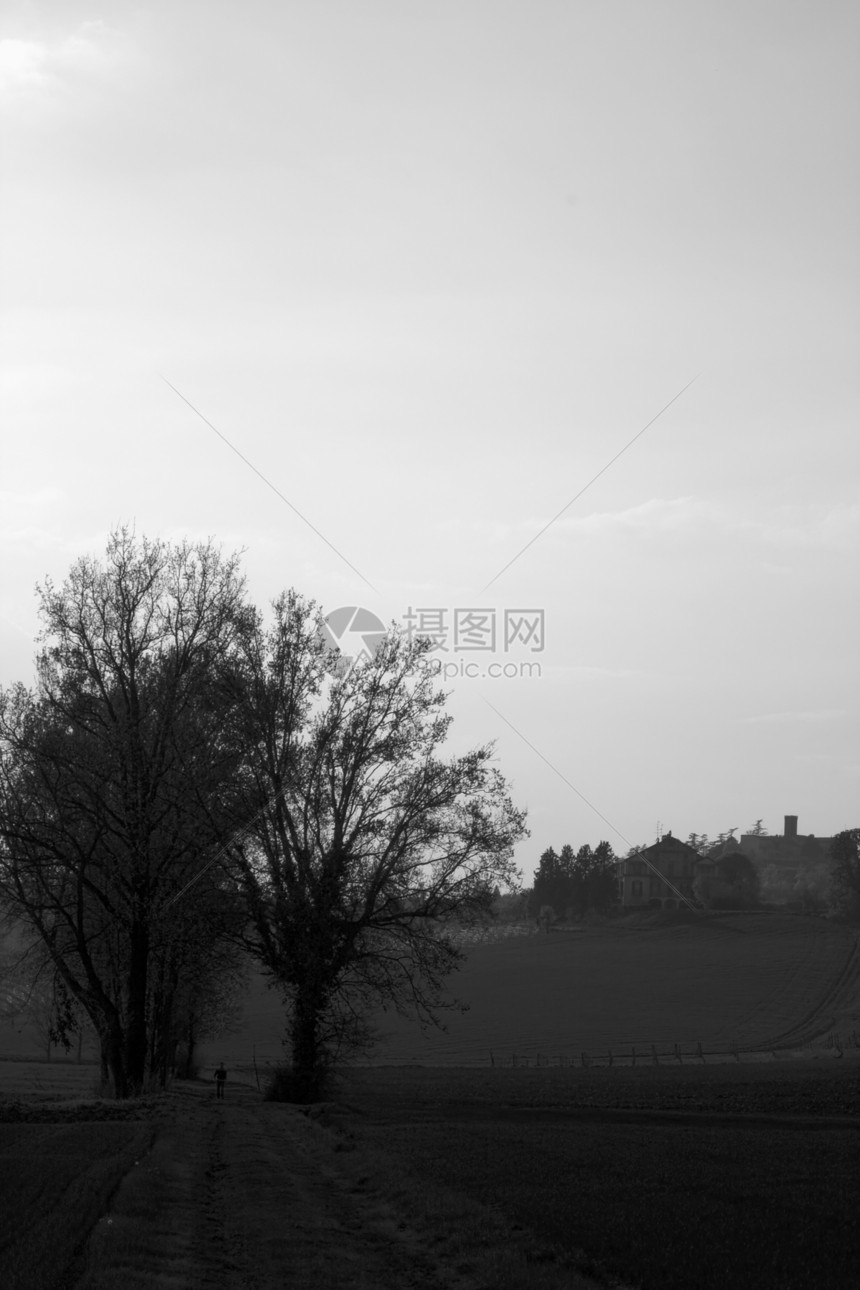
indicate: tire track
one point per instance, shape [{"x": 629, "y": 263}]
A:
[
  {"x": 244, "y": 1195},
  {"x": 819, "y": 1019}
]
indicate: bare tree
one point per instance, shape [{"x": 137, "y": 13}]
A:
[
  {"x": 845, "y": 873},
  {"x": 364, "y": 839},
  {"x": 108, "y": 772}
]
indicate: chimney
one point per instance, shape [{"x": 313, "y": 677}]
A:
[{"x": 790, "y": 827}]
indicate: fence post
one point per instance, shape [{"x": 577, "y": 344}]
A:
[
  {"x": 701, "y": 1054},
  {"x": 634, "y": 1055},
  {"x": 654, "y": 1055},
  {"x": 492, "y": 1058},
  {"x": 610, "y": 1057},
  {"x": 678, "y": 1053},
  {"x": 736, "y": 1050}
]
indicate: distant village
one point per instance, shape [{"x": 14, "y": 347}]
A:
[
  {"x": 758, "y": 868},
  {"x": 671, "y": 872}
]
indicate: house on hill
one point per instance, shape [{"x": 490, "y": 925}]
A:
[
  {"x": 645, "y": 878},
  {"x": 790, "y": 852}
]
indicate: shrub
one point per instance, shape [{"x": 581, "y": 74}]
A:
[{"x": 287, "y": 1085}]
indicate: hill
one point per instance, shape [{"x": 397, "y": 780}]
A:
[{"x": 758, "y": 979}]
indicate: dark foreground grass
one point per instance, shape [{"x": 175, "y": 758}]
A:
[
  {"x": 56, "y": 1180},
  {"x": 668, "y": 1199}
]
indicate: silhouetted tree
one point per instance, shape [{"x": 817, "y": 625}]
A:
[
  {"x": 575, "y": 883},
  {"x": 549, "y": 887},
  {"x": 735, "y": 884},
  {"x": 845, "y": 873},
  {"x": 110, "y": 772},
  {"x": 363, "y": 841}
]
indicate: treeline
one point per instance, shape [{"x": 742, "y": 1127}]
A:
[
  {"x": 189, "y": 783},
  {"x": 571, "y": 884}
]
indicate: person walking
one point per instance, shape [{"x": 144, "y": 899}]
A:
[{"x": 220, "y": 1080}]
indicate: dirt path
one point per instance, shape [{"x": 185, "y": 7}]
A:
[{"x": 246, "y": 1194}]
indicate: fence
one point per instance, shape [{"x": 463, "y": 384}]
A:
[
  {"x": 671, "y": 1055},
  {"x": 840, "y": 1042},
  {"x": 259, "y": 1070}
]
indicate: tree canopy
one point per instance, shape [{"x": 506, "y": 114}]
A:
[
  {"x": 845, "y": 873},
  {"x": 175, "y": 743},
  {"x": 573, "y": 884},
  {"x": 109, "y": 770},
  {"x": 365, "y": 841}
]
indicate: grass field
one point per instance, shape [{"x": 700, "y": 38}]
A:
[
  {"x": 48, "y": 1081},
  {"x": 659, "y": 1178},
  {"x": 663, "y": 1179},
  {"x": 55, "y": 1183},
  {"x": 754, "y": 979},
  {"x": 656, "y": 1176}
]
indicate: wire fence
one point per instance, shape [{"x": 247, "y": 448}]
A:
[{"x": 665, "y": 1055}]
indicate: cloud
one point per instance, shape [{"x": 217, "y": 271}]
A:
[
  {"x": 833, "y": 526},
  {"x": 22, "y": 64},
  {"x": 792, "y": 716},
  {"x": 566, "y": 672},
  {"x": 27, "y": 499},
  {"x": 37, "y": 66},
  {"x": 657, "y": 515}
]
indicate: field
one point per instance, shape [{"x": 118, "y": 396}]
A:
[
  {"x": 56, "y": 1180},
  {"x": 530, "y": 1179},
  {"x": 739, "y": 1176},
  {"x": 756, "y": 980},
  {"x": 47, "y": 1081},
  {"x": 439, "y": 1164}
]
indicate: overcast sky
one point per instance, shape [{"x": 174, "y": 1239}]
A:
[{"x": 429, "y": 267}]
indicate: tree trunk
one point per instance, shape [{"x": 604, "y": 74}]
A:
[
  {"x": 136, "y": 1029},
  {"x": 111, "y": 1056},
  {"x": 192, "y": 1046},
  {"x": 121, "y": 1087},
  {"x": 307, "y": 1050}
]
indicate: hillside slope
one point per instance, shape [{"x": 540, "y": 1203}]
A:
[{"x": 754, "y": 979}]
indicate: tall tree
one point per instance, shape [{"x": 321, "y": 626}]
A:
[
  {"x": 550, "y": 887},
  {"x": 603, "y": 881},
  {"x": 845, "y": 873},
  {"x": 736, "y": 883},
  {"x": 364, "y": 839},
  {"x": 109, "y": 770}
]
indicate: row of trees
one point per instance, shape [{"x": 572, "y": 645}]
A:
[
  {"x": 824, "y": 882},
  {"x": 187, "y": 781},
  {"x": 571, "y": 884},
  {"x": 845, "y": 874}
]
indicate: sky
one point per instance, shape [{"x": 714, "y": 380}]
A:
[{"x": 385, "y": 295}]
